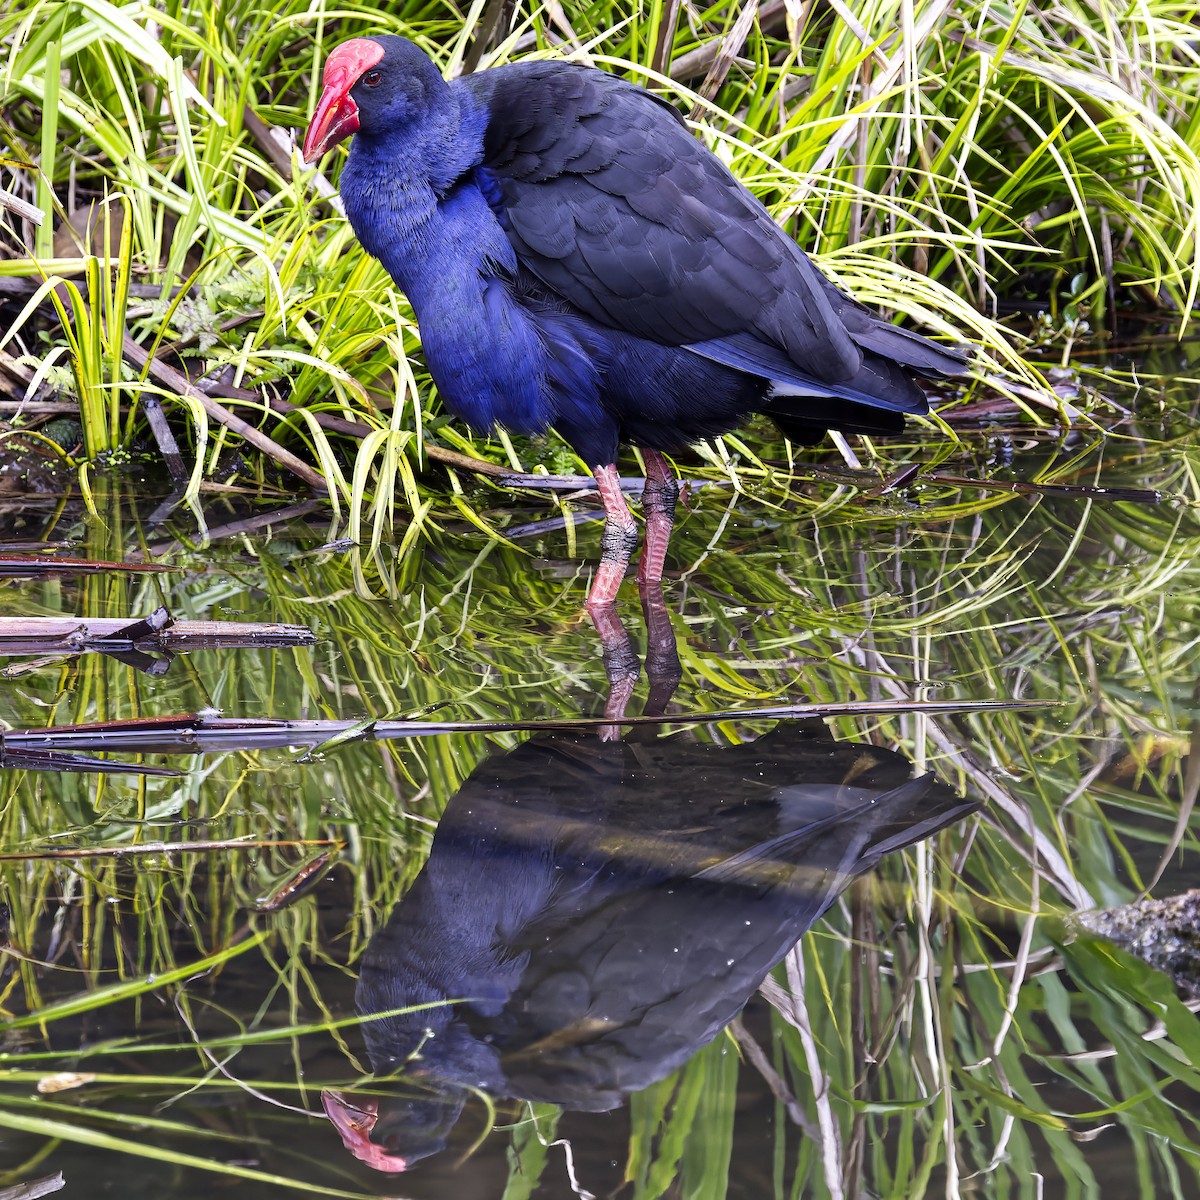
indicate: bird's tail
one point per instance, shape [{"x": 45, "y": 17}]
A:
[{"x": 873, "y": 401}]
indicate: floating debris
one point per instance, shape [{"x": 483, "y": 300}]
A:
[
  {"x": 157, "y": 849},
  {"x": 34, "y": 1188},
  {"x": 29, "y": 212},
  {"x": 866, "y": 479},
  {"x": 1076, "y": 491},
  {"x": 21, "y": 566},
  {"x": 191, "y": 733},
  {"x": 895, "y": 482},
  {"x": 299, "y": 883},
  {"x": 53, "y": 760},
  {"x": 1163, "y": 933},
  {"x": 64, "y": 1081},
  {"x": 159, "y": 630}
]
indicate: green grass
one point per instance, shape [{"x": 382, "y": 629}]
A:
[{"x": 934, "y": 160}]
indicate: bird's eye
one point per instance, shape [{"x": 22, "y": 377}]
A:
[{"x": 372, "y": 78}]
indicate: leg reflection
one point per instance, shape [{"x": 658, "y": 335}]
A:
[{"x": 663, "y": 669}]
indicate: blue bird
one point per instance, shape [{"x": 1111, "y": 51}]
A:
[
  {"x": 577, "y": 260},
  {"x": 593, "y": 913}
]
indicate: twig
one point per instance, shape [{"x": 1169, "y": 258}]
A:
[
  {"x": 146, "y": 848},
  {"x": 35, "y": 1188},
  {"x": 55, "y": 760},
  {"x": 668, "y": 22},
  {"x": 175, "y": 381},
  {"x": 450, "y": 458},
  {"x": 490, "y": 21},
  {"x": 23, "y": 378},
  {"x": 239, "y": 527},
  {"x": 758, "y": 1059},
  {"x": 22, "y": 208},
  {"x": 39, "y": 408},
  {"x": 730, "y": 48},
  {"x": 793, "y": 1007},
  {"x": 880, "y": 83},
  {"x": 22, "y": 286},
  {"x": 277, "y": 144},
  {"x": 326, "y": 420},
  {"x": 696, "y": 63},
  {"x": 466, "y": 462},
  {"x": 220, "y": 1066},
  {"x": 1000, "y": 797},
  {"x": 188, "y": 733},
  {"x": 25, "y": 635},
  {"x": 260, "y": 131},
  {"x": 22, "y": 565}
]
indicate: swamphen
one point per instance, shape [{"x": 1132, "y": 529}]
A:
[
  {"x": 577, "y": 260},
  {"x": 593, "y": 913}
]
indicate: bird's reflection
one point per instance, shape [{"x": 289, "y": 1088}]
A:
[
  {"x": 594, "y": 911},
  {"x": 663, "y": 669}
]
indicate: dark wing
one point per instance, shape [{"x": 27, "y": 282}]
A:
[{"x": 611, "y": 202}]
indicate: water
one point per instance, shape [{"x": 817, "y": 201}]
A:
[{"x": 603, "y": 900}]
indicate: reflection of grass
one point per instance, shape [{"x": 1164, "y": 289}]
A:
[{"x": 989, "y": 1042}]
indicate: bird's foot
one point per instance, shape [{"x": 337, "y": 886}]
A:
[
  {"x": 663, "y": 668},
  {"x": 621, "y": 666},
  {"x": 617, "y": 543},
  {"x": 659, "y": 498},
  {"x": 654, "y": 553},
  {"x": 616, "y": 546}
]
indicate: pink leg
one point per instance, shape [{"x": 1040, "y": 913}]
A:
[
  {"x": 620, "y": 665},
  {"x": 663, "y": 668},
  {"x": 658, "y": 503},
  {"x": 617, "y": 543}
]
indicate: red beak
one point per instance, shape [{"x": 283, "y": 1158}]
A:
[
  {"x": 336, "y": 116},
  {"x": 354, "y": 1121}
]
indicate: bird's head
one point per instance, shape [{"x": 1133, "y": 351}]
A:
[{"x": 376, "y": 85}]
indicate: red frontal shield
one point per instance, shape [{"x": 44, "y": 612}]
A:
[{"x": 336, "y": 115}]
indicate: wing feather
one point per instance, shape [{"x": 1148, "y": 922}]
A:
[{"x": 610, "y": 201}]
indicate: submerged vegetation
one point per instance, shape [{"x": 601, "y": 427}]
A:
[{"x": 1002, "y": 1044}]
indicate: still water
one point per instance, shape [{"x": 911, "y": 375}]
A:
[{"x": 431, "y": 939}]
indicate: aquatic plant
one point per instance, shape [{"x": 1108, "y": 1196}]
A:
[{"x": 934, "y": 159}]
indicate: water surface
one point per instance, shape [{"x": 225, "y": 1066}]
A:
[{"x": 596, "y": 904}]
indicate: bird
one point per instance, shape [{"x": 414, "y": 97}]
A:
[
  {"x": 576, "y": 259},
  {"x": 593, "y": 913}
]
